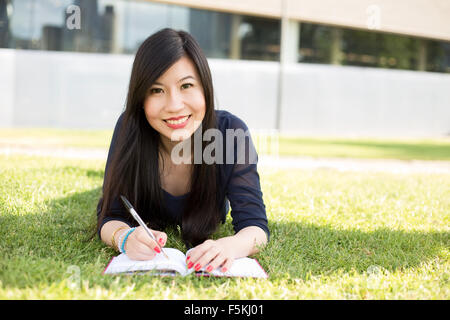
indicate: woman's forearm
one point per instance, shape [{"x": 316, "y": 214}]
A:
[
  {"x": 108, "y": 230},
  {"x": 247, "y": 241}
]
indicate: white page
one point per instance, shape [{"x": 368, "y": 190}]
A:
[
  {"x": 122, "y": 263},
  {"x": 242, "y": 267}
]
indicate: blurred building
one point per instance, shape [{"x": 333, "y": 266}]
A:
[{"x": 353, "y": 67}]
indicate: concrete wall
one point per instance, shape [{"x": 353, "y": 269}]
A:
[
  {"x": 336, "y": 100},
  {"x": 248, "y": 89},
  {"x": 75, "y": 90},
  {"x": 7, "y": 90},
  {"x": 81, "y": 90}
]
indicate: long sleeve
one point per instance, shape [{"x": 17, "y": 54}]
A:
[
  {"x": 117, "y": 211},
  {"x": 244, "y": 190}
]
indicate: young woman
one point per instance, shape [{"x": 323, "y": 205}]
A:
[{"x": 170, "y": 101}]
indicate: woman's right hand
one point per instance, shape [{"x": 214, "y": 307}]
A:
[{"x": 139, "y": 246}]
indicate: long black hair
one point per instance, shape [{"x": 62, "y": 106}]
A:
[{"x": 134, "y": 169}]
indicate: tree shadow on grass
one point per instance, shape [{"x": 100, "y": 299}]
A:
[
  {"x": 399, "y": 150},
  {"x": 424, "y": 150},
  {"x": 300, "y": 249},
  {"x": 38, "y": 247}
]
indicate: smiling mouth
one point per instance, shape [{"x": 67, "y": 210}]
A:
[{"x": 179, "y": 121}]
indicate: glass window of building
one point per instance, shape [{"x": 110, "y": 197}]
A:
[
  {"x": 34, "y": 24},
  {"x": 342, "y": 46},
  {"x": 100, "y": 27},
  {"x": 215, "y": 40},
  {"x": 437, "y": 56},
  {"x": 42, "y": 25},
  {"x": 120, "y": 26},
  {"x": 232, "y": 36},
  {"x": 145, "y": 18},
  {"x": 261, "y": 38}
]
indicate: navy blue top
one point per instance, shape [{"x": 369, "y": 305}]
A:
[{"x": 239, "y": 181}]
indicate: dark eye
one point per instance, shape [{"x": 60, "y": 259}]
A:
[
  {"x": 187, "y": 85},
  {"x": 155, "y": 90}
]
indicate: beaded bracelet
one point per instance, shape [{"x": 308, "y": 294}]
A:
[
  {"x": 119, "y": 241},
  {"x": 113, "y": 242},
  {"x": 122, "y": 247}
]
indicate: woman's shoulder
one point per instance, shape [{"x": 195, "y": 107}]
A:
[{"x": 227, "y": 120}]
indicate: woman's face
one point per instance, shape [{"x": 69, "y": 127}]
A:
[{"x": 175, "y": 103}]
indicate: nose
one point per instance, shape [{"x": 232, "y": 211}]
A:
[{"x": 174, "y": 102}]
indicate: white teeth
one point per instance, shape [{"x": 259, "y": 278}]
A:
[{"x": 178, "y": 121}]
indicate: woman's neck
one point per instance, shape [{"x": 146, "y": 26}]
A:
[{"x": 167, "y": 146}]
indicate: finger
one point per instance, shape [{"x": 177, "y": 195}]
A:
[
  {"x": 227, "y": 265},
  {"x": 161, "y": 237},
  {"x": 144, "y": 238},
  {"x": 206, "y": 258},
  {"x": 216, "y": 263},
  {"x": 143, "y": 256},
  {"x": 197, "y": 252},
  {"x": 136, "y": 250},
  {"x": 145, "y": 253},
  {"x": 144, "y": 250}
]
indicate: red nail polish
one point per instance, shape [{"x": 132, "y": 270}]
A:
[
  {"x": 190, "y": 265},
  {"x": 187, "y": 259},
  {"x": 161, "y": 240},
  {"x": 209, "y": 269},
  {"x": 224, "y": 269},
  {"x": 197, "y": 267},
  {"x": 157, "y": 250}
]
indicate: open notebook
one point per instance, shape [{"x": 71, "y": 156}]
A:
[{"x": 176, "y": 264}]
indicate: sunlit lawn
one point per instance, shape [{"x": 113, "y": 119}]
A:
[
  {"x": 335, "y": 235},
  {"x": 405, "y": 149}
]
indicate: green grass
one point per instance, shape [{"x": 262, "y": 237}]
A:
[
  {"x": 335, "y": 235},
  {"x": 405, "y": 149},
  {"x": 48, "y": 137}
]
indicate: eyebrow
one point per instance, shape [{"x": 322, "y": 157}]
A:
[{"x": 187, "y": 77}]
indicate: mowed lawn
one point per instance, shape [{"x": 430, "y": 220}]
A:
[
  {"x": 265, "y": 142},
  {"x": 334, "y": 235}
]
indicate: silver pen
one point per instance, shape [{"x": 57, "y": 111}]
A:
[{"x": 141, "y": 223}]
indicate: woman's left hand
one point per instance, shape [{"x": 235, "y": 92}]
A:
[{"x": 211, "y": 254}]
